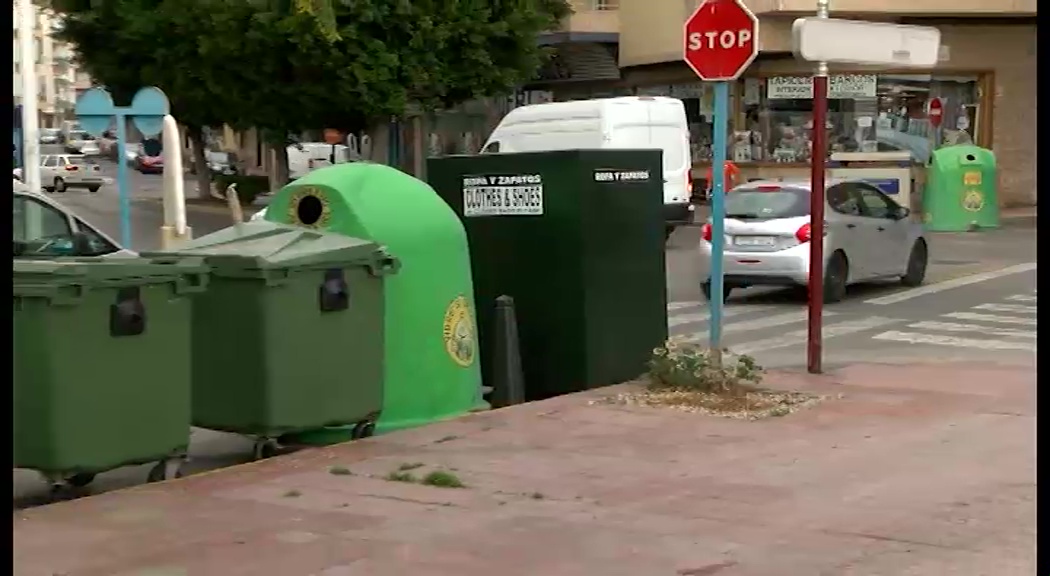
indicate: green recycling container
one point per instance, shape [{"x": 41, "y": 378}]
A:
[
  {"x": 102, "y": 364},
  {"x": 431, "y": 352},
  {"x": 576, "y": 237},
  {"x": 289, "y": 335},
  {"x": 960, "y": 190}
]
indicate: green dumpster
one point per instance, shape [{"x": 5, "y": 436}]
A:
[
  {"x": 577, "y": 239},
  {"x": 102, "y": 364},
  {"x": 289, "y": 335},
  {"x": 431, "y": 351},
  {"x": 960, "y": 190}
]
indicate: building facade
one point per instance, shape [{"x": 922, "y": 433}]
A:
[
  {"x": 986, "y": 81},
  {"x": 56, "y": 73}
]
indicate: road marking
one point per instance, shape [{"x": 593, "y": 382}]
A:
[
  {"x": 757, "y": 324},
  {"x": 1014, "y": 308},
  {"x": 987, "y": 330},
  {"x": 672, "y": 306},
  {"x": 954, "y": 341},
  {"x": 799, "y": 336},
  {"x": 1023, "y": 297},
  {"x": 950, "y": 284},
  {"x": 676, "y": 320},
  {"x": 975, "y": 317}
]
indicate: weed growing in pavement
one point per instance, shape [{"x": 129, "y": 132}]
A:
[
  {"x": 397, "y": 476},
  {"x": 685, "y": 376},
  {"x": 409, "y": 466},
  {"x": 293, "y": 494},
  {"x": 340, "y": 471},
  {"x": 442, "y": 479}
]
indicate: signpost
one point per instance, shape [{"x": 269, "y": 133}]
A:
[
  {"x": 721, "y": 40},
  {"x": 823, "y": 40},
  {"x": 95, "y": 112}
]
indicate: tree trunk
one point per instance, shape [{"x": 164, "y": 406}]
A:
[
  {"x": 280, "y": 173},
  {"x": 379, "y": 143},
  {"x": 200, "y": 162}
]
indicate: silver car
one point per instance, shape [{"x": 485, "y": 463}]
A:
[
  {"x": 61, "y": 171},
  {"x": 44, "y": 228},
  {"x": 868, "y": 236}
]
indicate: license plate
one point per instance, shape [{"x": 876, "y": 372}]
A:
[{"x": 755, "y": 241}]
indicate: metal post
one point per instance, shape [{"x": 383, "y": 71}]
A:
[
  {"x": 30, "y": 118},
  {"x": 814, "y": 344},
  {"x": 122, "y": 179},
  {"x": 718, "y": 214}
]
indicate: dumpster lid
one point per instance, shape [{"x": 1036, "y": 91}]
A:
[
  {"x": 262, "y": 244},
  {"x": 89, "y": 270}
]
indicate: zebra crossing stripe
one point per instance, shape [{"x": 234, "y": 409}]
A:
[
  {"x": 672, "y": 306},
  {"x": 975, "y": 317},
  {"x": 799, "y": 336},
  {"x": 757, "y": 324},
  {"x": 954, "y": 341},
  {"x": 951, "y": 284},
  {"x": 676, "y": 320},
  {"x": 1023, "y": 298},
  {"x": 986, "y": 330},
  {"x": 1011, "y": 308}
]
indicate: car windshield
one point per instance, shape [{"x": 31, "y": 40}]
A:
[
  {"x": 764, "y": 202},
  {"x": 77, "y": 160}
]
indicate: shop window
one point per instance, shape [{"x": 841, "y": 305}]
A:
[
  {"x": 699, "y": 102},
  {"x": 866, "y": 113}
]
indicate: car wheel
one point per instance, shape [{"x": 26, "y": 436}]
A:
[
  {"x": 706, "y": 288},
  {"x": 60, "y": 185},
  {"x": 835, "y": 277},
  {"x": 916, "y": 271},
  {"x": 92, "y": 189}
]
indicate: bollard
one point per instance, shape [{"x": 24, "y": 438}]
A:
[{"x": 508, "y": 388}]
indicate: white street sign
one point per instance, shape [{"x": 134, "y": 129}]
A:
[{"x": 858, "y": 42}]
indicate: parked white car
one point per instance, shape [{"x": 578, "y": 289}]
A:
[
  {"x": 61, "y": 171},
  {"x": 305, "y": 157},
  {"x": 46, "y": 228},
  {"x": 868, "y": 236}
]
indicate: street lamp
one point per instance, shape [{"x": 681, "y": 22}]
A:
[{"x": 30, "y": 120}]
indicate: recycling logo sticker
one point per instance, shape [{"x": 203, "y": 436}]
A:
[{"x": 973, "y": 201}]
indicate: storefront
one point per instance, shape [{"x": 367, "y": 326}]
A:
[{"x": 981, "y": 90}]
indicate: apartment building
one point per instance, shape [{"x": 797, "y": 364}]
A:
[
  {"x": 56, "y": 72},
  {"x": 986, "y": 80}
]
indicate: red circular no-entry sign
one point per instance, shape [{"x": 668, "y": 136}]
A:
[
  {"x": 935, "y": 112},
  {"x": 721, "y": 40}
]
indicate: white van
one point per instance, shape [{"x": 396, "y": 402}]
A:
[
  {"x": 626, "y": 122},
  {"x": 305, "y": 157}
]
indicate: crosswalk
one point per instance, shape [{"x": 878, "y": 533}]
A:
[
  {"x": 1006, "y": 325},
  {"x": 751, "y": 328}
]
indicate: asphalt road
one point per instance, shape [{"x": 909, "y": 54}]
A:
[{"x": 969, "y": 309}]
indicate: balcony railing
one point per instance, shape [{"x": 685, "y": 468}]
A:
[{"x": 603, "y": 5}]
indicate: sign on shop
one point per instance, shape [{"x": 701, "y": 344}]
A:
[
  {"x": 517, "y": 195},
  {"x": 840, "y": 87},
  {"x": 621, "y": 175}
]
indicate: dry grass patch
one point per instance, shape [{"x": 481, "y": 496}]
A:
[{"x": 686, "y": 377}]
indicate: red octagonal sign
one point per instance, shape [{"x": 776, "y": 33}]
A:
[{"x": 721, "y": 39}]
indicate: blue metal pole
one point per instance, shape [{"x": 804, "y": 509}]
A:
[
  {"x": 122, "y": 181},
  {"x": 718, "y": 216}
]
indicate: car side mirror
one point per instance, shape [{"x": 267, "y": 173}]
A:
[
  {"x": 82, "y": 244},
  {"x": 903, "y": 213}
]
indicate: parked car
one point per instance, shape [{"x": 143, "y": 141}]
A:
[
  {"x": 61, "y": 171},
  {"x": 76, "y": 140},
  {"x": 53, "y": 230},
  {"x": 305, "y": 157},
  {"x": 50, "y": 135},
  {"x": 868, "y": 236},
  {"x": 148, "y": 164}
]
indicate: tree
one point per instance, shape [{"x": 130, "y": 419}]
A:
[{"x": 286, "y": 66}]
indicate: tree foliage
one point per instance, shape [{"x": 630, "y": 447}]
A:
[{"x": 285, "y": 66}]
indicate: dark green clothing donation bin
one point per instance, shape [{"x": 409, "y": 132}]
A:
[
  {"x": 960, "y": 190},
  {"x": 102, "y": 364},
  {"x": 576, "y": 238},
  {"x": 289, "y": 336}
]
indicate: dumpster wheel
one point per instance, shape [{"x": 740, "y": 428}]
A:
[
  {"x": 363, "y": 429},
  {"x": 265, "y": 448},
  {"x": 165, "y": 470},
  {"x": 81, "y": 480}
]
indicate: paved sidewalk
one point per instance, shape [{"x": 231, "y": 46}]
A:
[{"x": 914, "y": 470}]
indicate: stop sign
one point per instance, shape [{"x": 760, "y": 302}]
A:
[
  {"x": 721, "y": 39},
  {"x": 936, "y": 112}
]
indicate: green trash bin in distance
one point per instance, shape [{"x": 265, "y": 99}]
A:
[
  {"x": 960, "y": 191},
  {"x": 577, "y": 239},
  {"x": 431, "y": 350},
  {"x": 289, "y": 335},
  {"x": 102, "y": 363}
]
